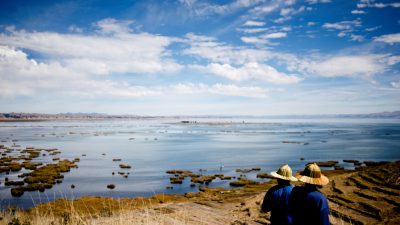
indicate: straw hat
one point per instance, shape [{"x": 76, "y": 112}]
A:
[
  {"x": 284, "y": 173},
  {"x": 312, "y": 175}
]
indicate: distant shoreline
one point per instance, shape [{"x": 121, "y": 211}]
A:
[{"x": 38, "y": 117}]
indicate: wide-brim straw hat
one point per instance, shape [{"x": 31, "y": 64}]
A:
[
  {"x": 284, "y": 173},
  {"x": 312, "y": 175}
]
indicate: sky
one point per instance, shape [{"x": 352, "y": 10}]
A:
[{"x": 200, "y": 57}]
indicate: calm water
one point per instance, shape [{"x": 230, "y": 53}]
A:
[{"x": 153, "y": 146}]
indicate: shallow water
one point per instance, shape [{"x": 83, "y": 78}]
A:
[{"x": 153, "y": 146}]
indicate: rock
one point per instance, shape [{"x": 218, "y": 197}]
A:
[
  {"x": 111, "y": 186},
  {"x": 350, "y": 161},
  {"x": 292, "y": 142},
  {"x": 17, "y": 192},
  {"x": 338, "y": 167},
  {"x": 72, "y": 186},
  {"x": 327, "y": 163},
  {"x": 206, "y": 179},
  {"x": 176, "y": 180},
  {"x": 242, "y": 182},
  {"x": 117, "y": 160},
  {"x": 179, "y": 172},
  {"x": 373, "y": 163},
  {"x": 13, "y": 183},
  {"x": 264, "y": 175},
  {"x": 248, "y": 170},
  {"x": 124, "y": 166}
]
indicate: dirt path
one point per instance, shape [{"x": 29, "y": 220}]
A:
[{"x": 245, "y": 211}]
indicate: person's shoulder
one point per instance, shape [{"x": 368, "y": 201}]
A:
[
  {"x": 317, "y": 195},
  {"x": 297, "y": 191},
  {"x": 273, "y": 188}
]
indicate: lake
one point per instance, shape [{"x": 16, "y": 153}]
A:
[{"x": 209, "y": 146}]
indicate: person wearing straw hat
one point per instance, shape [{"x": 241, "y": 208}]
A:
[
  {"x": 277, "y": 198},
  {"x": 308, "y": 206}
]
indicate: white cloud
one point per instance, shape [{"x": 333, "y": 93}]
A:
[
  {"x": 252, "y": 30},
  {"x": 252, "y": 71},
  {"x": 395, "y": 84},
  {"x": 21, "y": 76},
  {"x": 111, "y": 26},
  {"x": 286, "y": 28},
  {"x": 75, "y": 29},
  {"x": 220, "y": 89},
  {"x": 349, "y": 65},
  {"x": 318, "y": 1},
  {"x": 266, "y": 9},
  {"x": 343, "y": 25},
  {"x": 201, "y": 8},
  {"x": 282, "y": 19},
  {"x": 388, "y": 38},
  {"x": 234, "y": 90},
  {"x": 370, "y": 29},
  {"x": 371, "y": 4},
  {"x": 217, "y": 52},
  {"x": 254, "y": 40},
  {"x": 241, "y": 64},
  {"x": 355, "y": 37},
  {"x": 269, "y": 7},
  {"x": 253, "y": 23},
  {"x": 361, "y": 5},
  {"x": 274, "y": 35},
  {"x": 383, "y": 5},
  {"x": 341, "y": 34},
  {"x": 356, "y": 11},
  {"x": 311, "y": 24},
  {"x": 117, "y": 51},
  {"x": 286, "y": 11},
  {"x": 345, "y": 28},
  {"x": 263, "y": 39}
]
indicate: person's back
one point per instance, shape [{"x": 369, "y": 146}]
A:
[
  {"x": 276, "y": 200},
  {"x": 308, "y": 206}
]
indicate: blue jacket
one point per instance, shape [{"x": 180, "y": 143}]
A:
[
  {"x": 276, "y": 200},
  {"x": 308, "y": 206}
]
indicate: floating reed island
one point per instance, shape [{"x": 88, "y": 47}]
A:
[
  {"x": 178, "y": 176},
  {"x": 40, "y": 176}
]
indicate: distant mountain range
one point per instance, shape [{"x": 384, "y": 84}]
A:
[
  {"x": 88, "y": 116},
  {"x": 64, "y": 116}
]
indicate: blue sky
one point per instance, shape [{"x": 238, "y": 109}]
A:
[{"x": 192, "y": 57}]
